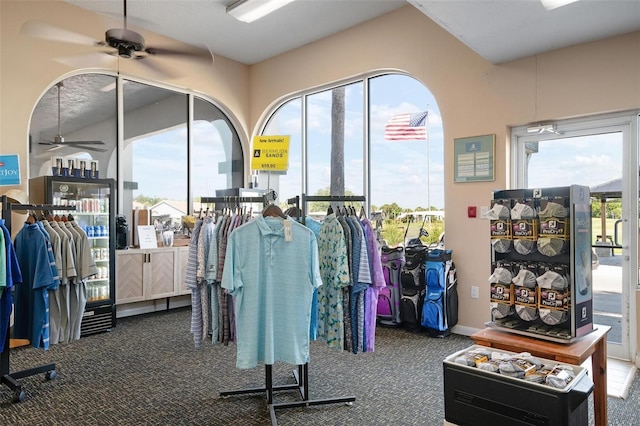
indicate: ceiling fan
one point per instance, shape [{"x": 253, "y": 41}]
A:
[
  {"x": 120, "y": 43},
  {"x": 59, "y": 141}
]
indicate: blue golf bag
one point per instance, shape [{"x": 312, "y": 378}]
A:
[{"x": 440, "y": 308}]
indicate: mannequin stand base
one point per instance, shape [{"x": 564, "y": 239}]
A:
[{"x": 302, "y": 385}]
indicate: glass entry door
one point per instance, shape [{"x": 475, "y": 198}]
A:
[{"x": 596, "y": 154}]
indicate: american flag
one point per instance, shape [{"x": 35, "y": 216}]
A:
[{"x": 409, "y": 126}]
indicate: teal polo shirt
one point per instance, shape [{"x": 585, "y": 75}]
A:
[{"x": 272, "y": 281}]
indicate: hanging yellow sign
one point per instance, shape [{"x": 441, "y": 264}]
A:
[{"x": 270, "y": 153}]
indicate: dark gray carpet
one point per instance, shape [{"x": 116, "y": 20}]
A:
[{"x": 147, "y": 372}]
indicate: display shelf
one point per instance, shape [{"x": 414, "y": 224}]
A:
[{"x": 547, "y": 254}]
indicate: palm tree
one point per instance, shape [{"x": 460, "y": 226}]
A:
[{"x": 337, "y": 142}]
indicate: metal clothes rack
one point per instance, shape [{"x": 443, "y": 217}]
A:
[
  {"x": 301, "y": 375},
  {"x": 6, "y": 377},
  {"x": 265, "y": 199},
  {"x": 304, "y": 199}
]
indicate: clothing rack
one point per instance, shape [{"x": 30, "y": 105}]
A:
[
  {"x": 268, "y": 198},
  {"x": 304, "y": 199},
  {"x": 6, "y": 377},
  {"x": 301, "y": 375}
]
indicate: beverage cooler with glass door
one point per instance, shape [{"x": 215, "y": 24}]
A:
[{"x": 95, "y": 214}]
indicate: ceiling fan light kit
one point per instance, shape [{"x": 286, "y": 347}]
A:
[{"x": 126, "y": 41}]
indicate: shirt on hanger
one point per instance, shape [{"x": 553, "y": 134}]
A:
[{"x": 272, "y": 279}]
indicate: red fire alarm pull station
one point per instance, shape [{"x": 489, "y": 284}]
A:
[{"x": 471, "y": 211}]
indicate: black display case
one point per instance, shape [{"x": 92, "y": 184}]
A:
[
  {"x": 477, "y": 397},
  {"x": 570, "y": 259}
]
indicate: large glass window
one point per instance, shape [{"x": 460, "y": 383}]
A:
[
  {"x": 154, "y": 158},
  {"x": 342, "y": 131},
  {"x": 166, "y": 156},
  {"x": 216, "y": 155},
  {"x": 75, "y": 118},
  {"x": 335, "y": 142},
  {"x": 409, "y": 173}
]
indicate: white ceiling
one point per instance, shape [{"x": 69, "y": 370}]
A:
[{"x": 498, "y": 30}]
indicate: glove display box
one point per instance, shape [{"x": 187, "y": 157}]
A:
[
  {"x": 475, "y": 396},
  {"x": 541, "y": 282}
]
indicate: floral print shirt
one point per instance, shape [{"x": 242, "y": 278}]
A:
[{"x": 334, "y": 270}]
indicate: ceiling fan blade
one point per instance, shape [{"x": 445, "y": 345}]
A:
[
  {"x": 195, "y": 53},
  {"x": 43, "y": 30},
  {"x": 81, "y": 143},
  {"x": 53, "y": 148},
  {"x": 90, "y": 148},
  {"x": 72, "y": 143},
  {"x": 88, "y": 60}
]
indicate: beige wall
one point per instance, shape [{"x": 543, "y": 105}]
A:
[{"x": 474, "y": 96}]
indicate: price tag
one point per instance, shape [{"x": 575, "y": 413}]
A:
[{"x": 288, "y": 232}]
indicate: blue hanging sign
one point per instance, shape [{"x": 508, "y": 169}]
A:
[{"x": 9, "y": 170}]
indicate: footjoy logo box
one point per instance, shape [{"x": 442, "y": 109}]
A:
[{"x": 9, "y": 170}]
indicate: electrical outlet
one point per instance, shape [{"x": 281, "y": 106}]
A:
[{"x": 475, "y": 292}]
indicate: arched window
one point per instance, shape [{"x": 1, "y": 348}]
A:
[
  {"x": 339, "y": 147},
  {"x": 176, "y": 146}
]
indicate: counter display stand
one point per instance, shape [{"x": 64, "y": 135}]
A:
[{"x": 541, "y": 262}]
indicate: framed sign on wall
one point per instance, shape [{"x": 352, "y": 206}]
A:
[{"x": 474, "y": 158}]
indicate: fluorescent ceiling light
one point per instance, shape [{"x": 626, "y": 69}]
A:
[
  {"x": 554, "y": 4},
  {"x": 251, "y": 10}
]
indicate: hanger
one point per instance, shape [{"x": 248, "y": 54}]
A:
[
  {"x": 329, "y": 210},
  {"x": 293, "y": 211},
  {"x": 362, "y": 213},
  {"x": 31, "y": 219},
  {"x": 273, "y": 210}
]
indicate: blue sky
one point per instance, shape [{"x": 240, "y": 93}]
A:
[{"x": 586, "y": 160}]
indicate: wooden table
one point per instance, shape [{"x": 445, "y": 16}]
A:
[{"x": 592, "y": 345}]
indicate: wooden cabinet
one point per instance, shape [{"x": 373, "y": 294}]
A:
[
  {"x": 182, "y": 256},
  {"x": 146, "y": 274}
]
